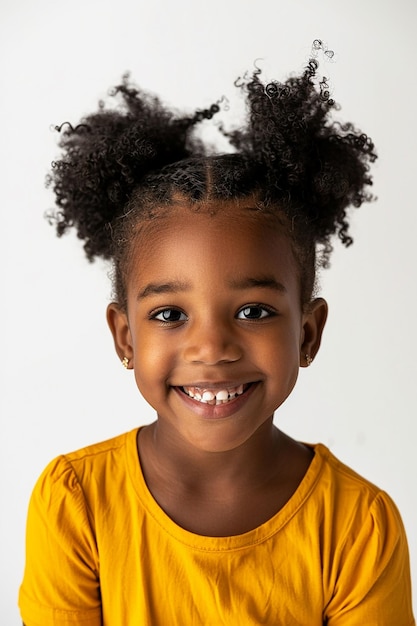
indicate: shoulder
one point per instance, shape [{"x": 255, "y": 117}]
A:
[
  {"x": 364, "y": 547},
  {"x": 78, "y": 473},
  {"x": 362, "y": 519},
  {"x": 98, "y": 452},
  {"x": 335, "y": 479},
  {"x": 353, "y": 506}
]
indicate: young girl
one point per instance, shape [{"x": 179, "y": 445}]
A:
[{"x": 211, "y": 515}]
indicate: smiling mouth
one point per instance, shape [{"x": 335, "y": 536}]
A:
[{"x": 205, "y": 395}]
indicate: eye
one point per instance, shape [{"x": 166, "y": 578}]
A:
[
  {"x": 169, "y": 315},
  {"x": 254, "y": 312}
]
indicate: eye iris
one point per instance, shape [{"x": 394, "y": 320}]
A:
[
  {"x": 252, "y": 312},
  {"x": 171, "y": 316}
]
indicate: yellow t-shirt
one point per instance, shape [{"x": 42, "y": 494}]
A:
[{"x": 100, "y": 551}]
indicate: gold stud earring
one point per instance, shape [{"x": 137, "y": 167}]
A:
[
  {"x": 309, "y": 359},
  {"x": 125, "y": 362}
]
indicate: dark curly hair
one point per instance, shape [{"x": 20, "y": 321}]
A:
[{"x": 122, "y": 166}]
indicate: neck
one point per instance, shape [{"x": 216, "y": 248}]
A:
[{"x": 165, "y": 453}]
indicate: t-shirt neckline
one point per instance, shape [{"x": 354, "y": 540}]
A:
[{"x": 221, "y": 544}]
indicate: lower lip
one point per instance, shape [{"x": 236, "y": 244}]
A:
[{"x": 216, "y": 411}]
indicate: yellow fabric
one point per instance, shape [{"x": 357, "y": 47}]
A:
[{"x": 100, "y": 551}]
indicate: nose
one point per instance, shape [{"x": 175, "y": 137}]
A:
[{"x": 211, "y": 343}]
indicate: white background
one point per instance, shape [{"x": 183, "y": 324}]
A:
[{"x": 62, "y": 385}]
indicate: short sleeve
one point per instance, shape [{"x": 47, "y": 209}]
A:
[
  {"x": 61, "y": 580},
  {"x": 373, "y": 583}
]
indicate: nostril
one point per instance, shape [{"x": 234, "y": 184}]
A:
[{"x": 212, "y": 350}]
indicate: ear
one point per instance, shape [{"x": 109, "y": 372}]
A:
[
  {"x": 119, "y": 326},
  {"x": 314, "y": 320}
]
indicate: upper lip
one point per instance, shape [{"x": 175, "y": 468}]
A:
[{"x": 207, "y": 384}]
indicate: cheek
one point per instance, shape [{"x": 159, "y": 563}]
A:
[
  {"x": 150, "y": 376},
  {"x": 281, "y": 358},
  {"x": 152, "y": 360}
]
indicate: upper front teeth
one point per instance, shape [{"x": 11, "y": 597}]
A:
[{"x": 213, "y": 397}]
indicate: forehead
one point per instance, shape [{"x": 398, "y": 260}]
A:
[{"x": 215, "y": 241}]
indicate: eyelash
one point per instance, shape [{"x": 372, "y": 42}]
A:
[
  {"x": 266, "y": 312},
  {"x": 264, "y": 309},
  {"x": 154, "y": 316}
]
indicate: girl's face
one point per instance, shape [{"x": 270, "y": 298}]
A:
[{"x": 214, "y": 328}]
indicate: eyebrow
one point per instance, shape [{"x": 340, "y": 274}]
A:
[
  {"x": 261, "y": 282},
  {"x": 155, "y": 288},
  {"x": 249, "y": 282}
]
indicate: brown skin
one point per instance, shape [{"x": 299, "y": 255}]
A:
[{"x": 214, "y": 302}]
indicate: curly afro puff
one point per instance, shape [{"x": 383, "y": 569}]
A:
[{"x": 121, "y": 166}]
